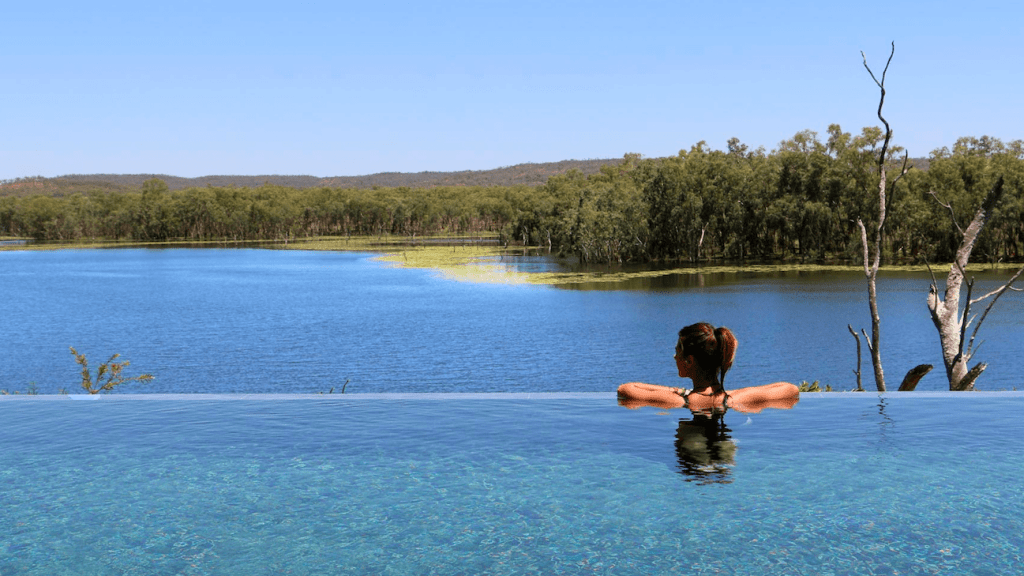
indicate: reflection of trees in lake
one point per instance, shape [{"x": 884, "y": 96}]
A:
[{"x": 705, "y": 449}]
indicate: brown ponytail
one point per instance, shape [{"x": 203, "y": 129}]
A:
[
  {"x": 726, "y": 351},
  {"x": 713, "y": 349}
]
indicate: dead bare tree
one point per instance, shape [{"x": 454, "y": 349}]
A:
[
  {"x": 914, "y": 376},
  {"x": 857, "y": 371},
  {"x": 945, "y": 313},
  {"x": 873, "y": 260}
]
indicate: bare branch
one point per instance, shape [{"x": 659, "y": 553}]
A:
[
  {"x": 864, "y": 243},
  {"x": 881, "y": 102},
  {"x": 867, "y": 341},
  {"x": 999, "y": 292},
  {"x": 971, "y": 320},
  {"x": 967, "y": 382},
  {"x": 934, "y": 284},
  {"x": 881, "y": 213},
  {"x": 952, "y": 215},
  {"x": 976, "y": 348},
  {"x": 903, "y": 172},
  {"x": 868, "y": 68},
  {"x": 963, "y": 319},
  {"x": 860, "y": 388},
  {"x": 978, "y": 222},
  {"x": 904, "y": 169}
]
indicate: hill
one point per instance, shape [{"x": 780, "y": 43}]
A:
[{"x": 521, "y": 174}]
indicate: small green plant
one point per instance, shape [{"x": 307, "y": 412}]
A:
[
  {"x": 107, "y": 376},
  {"x": 814, "y": 387}
]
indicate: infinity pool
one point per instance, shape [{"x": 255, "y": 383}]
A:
[{"x": 906, "y": 483}]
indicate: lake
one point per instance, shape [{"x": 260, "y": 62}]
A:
[{"x": 276, "y": 321}]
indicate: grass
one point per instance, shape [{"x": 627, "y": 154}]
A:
[
  {"x": 484, "y": 264},
  {"x": 478, "y": 258},
  {"x": 468, "y": 262}
]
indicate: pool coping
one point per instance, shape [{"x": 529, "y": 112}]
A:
[{"x": 519, "y": 396}]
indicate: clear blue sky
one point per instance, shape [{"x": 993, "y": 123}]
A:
[{"x": 351, "y": 88}]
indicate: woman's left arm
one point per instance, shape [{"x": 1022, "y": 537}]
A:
[{"x": 782, "y": 395}]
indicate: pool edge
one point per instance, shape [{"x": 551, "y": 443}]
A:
[{"x": 519, "y": 396}]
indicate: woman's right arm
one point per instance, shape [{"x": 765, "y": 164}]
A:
[{"x": 634, "y": 395}]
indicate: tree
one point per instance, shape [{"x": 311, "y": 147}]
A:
[
  {"x": 951, "y": 325},
  {"x": 153, "y": 210},
  {"x": 873, "y": 253}
]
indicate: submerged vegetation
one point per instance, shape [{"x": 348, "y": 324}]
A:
[{"x": 800, "y": 202}]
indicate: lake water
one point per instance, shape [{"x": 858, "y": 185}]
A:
[
  {"x": 524, "y": 483},
  {"x": 842, "y": 484},
  {"x": 274, "y": 321}
]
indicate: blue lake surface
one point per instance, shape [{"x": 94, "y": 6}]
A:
[
  {"x": 275, "y": 321},
  {"x": 842, "y": 484},
  {"x": 253, "y": 478}
]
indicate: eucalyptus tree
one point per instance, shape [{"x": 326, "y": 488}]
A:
[
  {"x": 677, "y": 218},
  {"x": 199, "y": 213},
  {"x": 852, "y": 170},
  {"x": 755, "y": 236},
  {"x": 618, "y": 215},
  {"x": 154, "y": 217},
  {"x": 801, "y": 205}
]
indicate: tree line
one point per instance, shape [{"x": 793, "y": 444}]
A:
[{"x": 801, "y": 200}]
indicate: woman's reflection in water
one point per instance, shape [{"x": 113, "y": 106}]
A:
[{"x": 705, "y": 450}]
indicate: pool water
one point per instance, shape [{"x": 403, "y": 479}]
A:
[{"x": 911, "y": 483}]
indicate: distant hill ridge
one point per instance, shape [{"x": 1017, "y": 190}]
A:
[{"x": 529, "y": 174}]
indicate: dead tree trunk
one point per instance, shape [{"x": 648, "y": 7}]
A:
[
  {"x": 945, "y": 312},
  {"x": 872, "y": 261},
  {"x": 914, "y": 376},
  {"x": 857, "y": 371}
]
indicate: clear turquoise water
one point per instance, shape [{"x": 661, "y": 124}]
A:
[{"x": 509, "y": 484}]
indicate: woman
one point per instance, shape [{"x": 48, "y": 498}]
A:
[{"x": 704, "y": 354}]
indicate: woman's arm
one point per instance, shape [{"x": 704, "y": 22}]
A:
[
  {"x": 781, "y": 395},
  {"x": 634, "y": 395}
]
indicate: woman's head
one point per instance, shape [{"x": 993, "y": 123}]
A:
[{"x": 713, "y": 350}]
